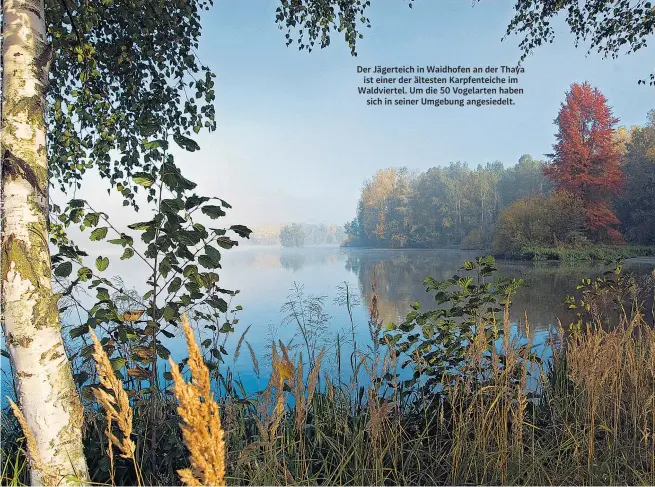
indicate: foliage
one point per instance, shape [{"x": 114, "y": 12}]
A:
[
  {"x": 435, "y": 342},
  {"x": 456, "y": 206},
  {"x": 636, "y": 206},
  {"x": 540, "y": 221},
  {"x": 315, "y": 21},
  {"x": 523, "y": 180},
  {"x": 124, "y": 83},
  {"x": 586, "y": 162},
  {"x": 441, "y": 207},
  {"x": 580, "y": 253},
  {"x": 182, "y": 253},
  {"x": 589, "y": 405},
  {"x": 608, "y": 25},
  {"x": 292, "y": 236}
]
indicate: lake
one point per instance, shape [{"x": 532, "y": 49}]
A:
[{"x": 269, "y": 277}]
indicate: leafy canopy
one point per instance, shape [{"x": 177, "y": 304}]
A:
[{"x": 608, "y": 25}]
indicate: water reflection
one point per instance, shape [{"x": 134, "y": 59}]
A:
[{"x": 400, "y": 275}]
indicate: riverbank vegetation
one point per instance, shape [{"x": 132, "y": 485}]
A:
[
  {"x": 595, "y": 192},
  {"x": 447, "y": 397},
  {"x": 119, "y": 90}
]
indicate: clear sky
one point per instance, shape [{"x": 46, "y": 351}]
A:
[{"x": 296, "y": 141}]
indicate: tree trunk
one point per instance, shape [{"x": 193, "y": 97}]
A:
[{"x": 46, "y": 391}]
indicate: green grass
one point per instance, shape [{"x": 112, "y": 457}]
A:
[{"x": 578, "y": 254}]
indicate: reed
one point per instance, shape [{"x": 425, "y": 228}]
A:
[
  {"x": 200, "y": 419},
  {"x": 590, "y": 420},
  {"x": 116, "y": 404}
]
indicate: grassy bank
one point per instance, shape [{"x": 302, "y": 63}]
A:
[
  {"x": 607, "y": 253},
  {"x": 591, "y": 420}
]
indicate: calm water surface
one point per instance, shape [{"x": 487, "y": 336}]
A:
[{"x": 269, "y": 277}]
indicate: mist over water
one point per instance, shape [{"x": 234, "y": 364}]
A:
[{"x": 270, "y": 277}]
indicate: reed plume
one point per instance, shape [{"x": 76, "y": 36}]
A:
[
  {"x": 49, "y": 477},
  {"x": 116, "y": 405},
  {"x": 202, "y": 432}
]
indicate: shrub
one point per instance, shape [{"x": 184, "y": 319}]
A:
[{"x": 540, "y": 221}]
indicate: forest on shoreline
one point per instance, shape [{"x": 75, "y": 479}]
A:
[
  {"x": 297, "y": 234},
  {"x": 597, "y": 188},
  {"x": 118, "y": 89}
]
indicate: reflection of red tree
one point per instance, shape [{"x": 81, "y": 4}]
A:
[{"x": 587, "y": 160}]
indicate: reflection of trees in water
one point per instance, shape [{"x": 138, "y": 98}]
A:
[
  {"x": 400, "y": 278},
  {"x": 293, "y": 261},
  {"x": 297, "y": 259},
  {"x": 265, "y": 260}
]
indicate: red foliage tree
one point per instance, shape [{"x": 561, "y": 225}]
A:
[{"x": 587, "y": 161}]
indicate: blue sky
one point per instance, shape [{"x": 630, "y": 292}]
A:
[{"x": 295, "y": 141}]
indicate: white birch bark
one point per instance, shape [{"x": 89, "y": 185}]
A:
[{"x": 46, "y": 391}]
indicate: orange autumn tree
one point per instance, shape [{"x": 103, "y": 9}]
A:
[{"x": 587, "y": 161}]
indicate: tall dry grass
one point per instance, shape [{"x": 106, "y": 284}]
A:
[
  {"x": 201, "y": 422},
  {"x": 591, "y": 421}
]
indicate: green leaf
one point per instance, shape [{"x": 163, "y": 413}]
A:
[
  {"x": 172, "y": 205},
  {"x": 167, "y": 334},
  {"x": 155, "y": 144},
  {"x": 78, "y": 331},
  {"x": 162, "y": 351},
  {"x": 241, "y": 230},
  {"x": 143, "y": 179},
  {"x": 188, "y": 237},
  {"x": 142, "y": 225},
  {"x": 175, "y": 285},
  {"x": 103, "y": 294},
  {"x": 102, "y": 263},
  {"x": 213, "y": 254},
  {"x": 226, "y": 242},
  {"x": 186, "y": 143},
  {"x": 64, "y": 270},
  {"x": 99, "y": 233},
  {"x": 193, "y": 201},
  {"x": 127, "y": 254},
  {"x": 117, "y": 363},
  {"x": 84, "y": 273},
  {"x": 75, "y": 203},
  {"x": 207, "y": 262},
  {"x": 91, "y": 219},
  {"x": 219, "y": 304},
  {"x": 169, "y": 313},
  {"x": 213, "y": 211},
  {"x": 190, "y": 270},
  {"x": 81, "y": 377}
]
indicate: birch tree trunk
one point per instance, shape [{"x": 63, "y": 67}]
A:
[{"x": 46, "y": 391}]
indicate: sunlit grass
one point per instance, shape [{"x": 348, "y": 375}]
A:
[{"x": 592, "y": 421}]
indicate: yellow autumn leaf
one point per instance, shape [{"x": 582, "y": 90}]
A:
[{"x": 133, "y": 315}]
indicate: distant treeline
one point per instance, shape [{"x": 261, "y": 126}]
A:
[
  {"x": 298, "y": 234},
  {"x": 448, "y": 206},
  {"x": 599, "y": 187}
]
